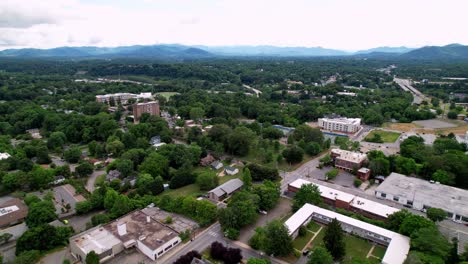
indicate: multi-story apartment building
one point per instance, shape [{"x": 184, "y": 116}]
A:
[
  {"x": 152, "y": 108},
  {"x": 346, "y": 125}
]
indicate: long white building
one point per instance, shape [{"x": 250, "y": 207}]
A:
[
  {"x": 347, "y": 125},
  {"x": 397, "y": 245}
]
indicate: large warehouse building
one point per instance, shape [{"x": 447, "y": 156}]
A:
[{"x": 421, "y": 195}]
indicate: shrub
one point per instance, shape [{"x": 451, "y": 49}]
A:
[
  {"x": 232, "y": 233},
  {"x": 357, "y": 183},
  {"x": 302, "y": 231}
]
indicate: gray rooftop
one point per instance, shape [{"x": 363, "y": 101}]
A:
[
  {"x": 228, "y": 187},
  {"x": 436, "y": 195}
]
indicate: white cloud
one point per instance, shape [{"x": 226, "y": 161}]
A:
[{"x": 340, "y": 24}]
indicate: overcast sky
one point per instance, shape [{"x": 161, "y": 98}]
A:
[{"x": 339, "y": 24}]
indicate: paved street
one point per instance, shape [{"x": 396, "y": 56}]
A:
[
  {"x": 304, "y": 170},
  {"x": 204, "y": 240},
  {"x": 92, "y": 179}
]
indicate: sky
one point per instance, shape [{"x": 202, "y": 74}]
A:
[{"x": 339, "y": 24}]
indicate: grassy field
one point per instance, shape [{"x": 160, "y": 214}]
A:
[
  {"x": 167, "y": 94},
  {"x": 387, "y": 136},
  {"x": 300, "y": 242},
  {"x": 379, "y": 252},
  {"x": 312, "y": 226}
]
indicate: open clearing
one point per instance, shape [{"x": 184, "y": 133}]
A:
[
  {"x": 387, "y": 136},
  {"x": 403, "y": 127},
  {"x": 167, "y": 95},
  {"x": 434, "y": 124}
]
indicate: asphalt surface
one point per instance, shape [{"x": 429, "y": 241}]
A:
[{"x": 204, "y": 240}]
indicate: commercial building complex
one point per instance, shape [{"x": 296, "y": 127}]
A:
[
  {"x": 142, "y": 229},
  {"x": 344, "y": 200},
  {"x": 348, "y": 160},
  {"x": 421, "y": 195},
  {"x": 397, "y": 245},
  {"x": 346, "y": 125},
  {"x": 152, "y": 108},
  {"x": 121, "y": 98}
]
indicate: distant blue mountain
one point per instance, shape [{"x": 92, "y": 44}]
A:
[
  {"x": 401, "y": 49},
  {"x": 137, "y": 51},
  {"x": 176, "y": 51},
  {"x": 273, "y": 51}
]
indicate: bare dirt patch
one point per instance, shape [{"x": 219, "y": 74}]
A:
[{"x": 434, "y": 124}]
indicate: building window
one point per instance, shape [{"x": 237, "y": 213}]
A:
[
  {"x": 175, "y": 243},
  {"x": 409, "y": 203},
  {"x": 160, "y": 253},
  {"x": 383, "y": 195},
  {"x": 169, "y": 247},
  {"x": 396, "y": 199}
]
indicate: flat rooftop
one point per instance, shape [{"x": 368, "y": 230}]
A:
[
  {"x": 325, "y": 191},
  {"x": 179, "y": 223},
  {"x": 349, "y": 155},
  {"x": 436, "y": 195},
  {"x": 11, "y": 211},
  {"x": 98, "y": 240},
  {"x": 143, "y": 228},
  {"x": 373, "y": 207},
  {"x": 343, "y": 120}
]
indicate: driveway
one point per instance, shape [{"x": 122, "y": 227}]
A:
[
  {"x": 92, "y": 180},
  {"x": 283, "y": 208}
]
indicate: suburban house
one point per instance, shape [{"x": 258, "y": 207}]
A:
[
  {"x": 206, "y": 161},
  {"x": 216, "y": 165},
  {"x": 397, "y": 245},
  {"x": 224, "y": 190},
  {"x": 231, "y": 170},
  {"x": 141, "y": 229},
  {"x": 12, "y": 212},
  {"x": 421, "y": 194},
  {"x": 344, "y": 200},
  {"x": 348, "y": 160}
]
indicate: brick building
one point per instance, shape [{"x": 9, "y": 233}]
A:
[
  {"x": 348, "y": 160},
  {"x": 152, "y": 108}
]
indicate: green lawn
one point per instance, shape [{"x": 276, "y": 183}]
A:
[
  {"x": 313, "y": 226},
  {"x": 379, "y": 252},
  {"x": 191, "y": 189},
  {"x": 300, "y": 242},
  {"x": 387, "y": 136},
  {"x": 167, "y": 95},
  {"x": 356, "y": 247}
]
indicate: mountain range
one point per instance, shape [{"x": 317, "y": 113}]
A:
[{"x": 176, "y": 51}]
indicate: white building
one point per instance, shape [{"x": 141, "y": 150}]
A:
[
  {"x": 347, "y": 125},
  {"x": 121, "y": 97},
  {"x": 421, "y": 195},
  {"x": 346, "y": 93},
  {"x": 397, "y": 245}
]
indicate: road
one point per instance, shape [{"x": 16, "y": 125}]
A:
[
  {"x": 405, "y": 84},
  {"x": 257, "y": 92},
  {"x": 302, "y": 172},
  {"x": 92, "y": 180},
  {"x": 204, "y": 240}
]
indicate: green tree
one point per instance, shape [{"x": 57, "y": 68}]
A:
[
  {"x": 452, "y": 115},
  {"x": 207, "y": 180},
  {"x": 196, "y": 113},
  {"x": 240, "y": 140},
  {"x": 72, "y": 155},
  {"x": 443, "y": 177},
  {"x": 56, "y": 140},
  {"x": 313, "y": 148},
  {"x": 429, "y": 240},
  {"x": 404, "y": 165},
  {"x": 92, "y": 258},
  {"x": 320, "y": 255},
  {"x": 413, "y": 223},
  {"x": 84, "y": 169},
  {"x": 146, "y": 184},
  {"x": 122, "y": 205},
  {"x": 247, "y": 178},
  {"x": 331, "y": 174},
  {"x": 293, "y": 154},
  {"x": 156, "y": 165},
  {"x": 269, "y": 194},
  {"x": 115, "y": 148},
  {"x": 333, "y": 240},
  {"x": 40, "y": 213},
  {"x": 436, "y": 214},
  {"x": 395, "y": 220},
  {"x": 380, "y": 166},
  {"x": 124, "y": 166},
  {"x": 277, "y": 239},
  {"x": 308, "y": 134},
  {"x": 28, "y": 257},
  {"x": 308, "y": 193}
]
